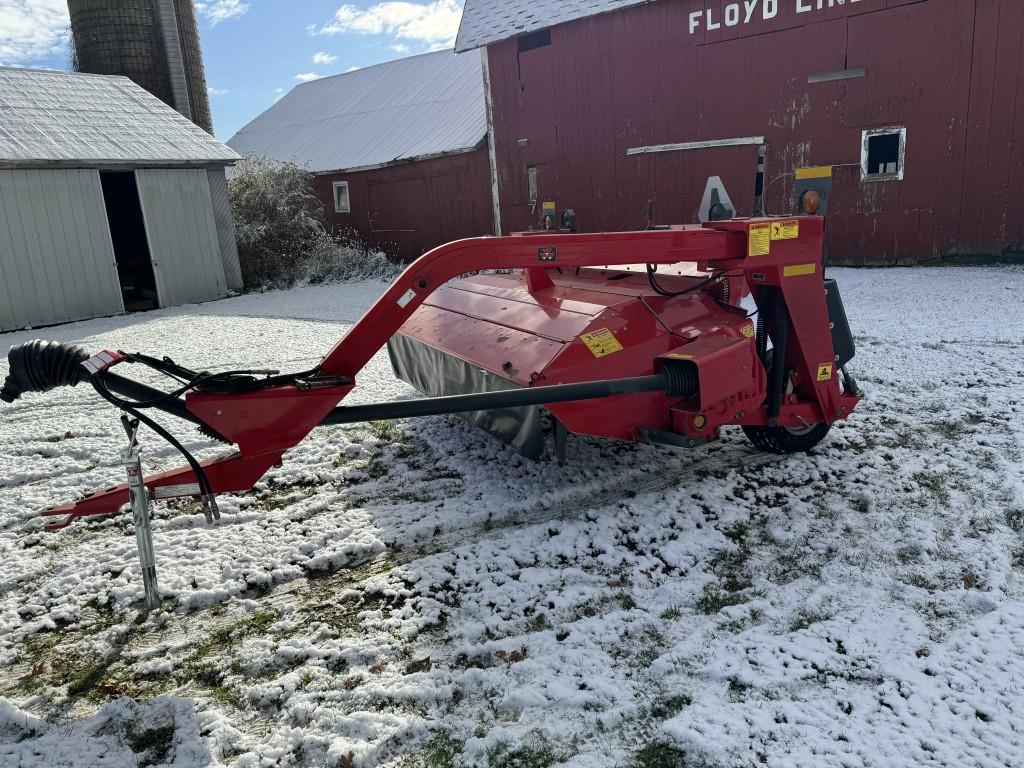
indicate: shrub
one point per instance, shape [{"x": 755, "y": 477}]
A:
[
  {"x": 344, "y": 257},
  {"x": 282, "y": 240}
]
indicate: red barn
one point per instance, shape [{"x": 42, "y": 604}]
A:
[
  {"x": 399, "y": 149},
  {"x": 916, "y": 105}
]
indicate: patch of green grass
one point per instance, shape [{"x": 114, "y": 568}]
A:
[
  {"x": 1018, "y": 558},
  {"x": 861, "y": 505},
  {"x": 385, "y": 431},
  {"x": 714, "y": 600},
  {"x": 375, "y": 469},
  {"x": 658, "y": 755},
  {"x": 538, "y": 623},
  {"x": 670, "y": 706},
  {"x": 951, "y": 431},
  {"x": 154, "y": 744},
  {"x": 537, "y": 752},
  {"x": 625, "y": 601},
  {"x": 439, "y": 752},
  {"x": 85, "y": 679},
  {"x": 934, "y": 486},
  {"x": 738, "y": 689},
  {"x": 227, "y": 695},
  {"x": 908, "y": 555},
  {"x": 415, "y": 497},
  {"x": 805, "y": 618},
  {"x": 1015, "y": 518},
  {"x": 672, "y": 613},
  {"x": 250, "y": 625}
]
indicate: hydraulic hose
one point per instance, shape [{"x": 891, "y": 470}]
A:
[
  {"x": 777, "y": 376},
  {"x": 40, "y": 366}
]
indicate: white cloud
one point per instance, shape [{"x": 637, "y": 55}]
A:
[
  {"x": 216, "y": 91},
  {"x": 305, "y": 77},
  {"x": 32, "y": 29},
  {"x": 400, "y": 48},
  {"x": 221, "y": 10},
  {"x": 353, "y": 69},
  {"x": 324, "y": 58},
  {"x": 434, "y": 23}
]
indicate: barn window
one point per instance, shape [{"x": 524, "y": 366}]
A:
[
  {"x": 882, "y": 154},
  {"x": 341, "y": 201},
  {"x": 534, "y": 40}
]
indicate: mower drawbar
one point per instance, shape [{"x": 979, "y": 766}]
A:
[{"x": 675, "y": 379}]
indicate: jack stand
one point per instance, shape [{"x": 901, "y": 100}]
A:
[
  {"x": 132, "y": 461},
  {"x": 561, "y": 441}
]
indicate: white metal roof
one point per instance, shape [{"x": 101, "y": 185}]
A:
[
  {"x": 488, "y": 21},
  {"x": 411, "y": 108},
  {"x": 76, "y": 120}
]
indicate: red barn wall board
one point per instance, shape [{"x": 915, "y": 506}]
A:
[
  {"x": 673, "y": 71},
  {"x": 409, "y": 208}
]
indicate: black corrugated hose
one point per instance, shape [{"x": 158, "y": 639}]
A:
[{"x": 40, "y": 366}]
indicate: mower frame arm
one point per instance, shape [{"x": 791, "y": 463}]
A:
[{"x": 531, "y": 252}]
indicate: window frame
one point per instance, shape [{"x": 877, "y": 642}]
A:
[
  {"x": 866, "y": 137},
  {"x": 335, "y": 186}
]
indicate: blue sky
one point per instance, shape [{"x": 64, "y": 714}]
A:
[{"x": 257, "y": 50}]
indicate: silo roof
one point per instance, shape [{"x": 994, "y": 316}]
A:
[
  {"x": 65, "y": 119},
  {"x": 422, "y": 106},
  {"x": 490, "y": 21}
]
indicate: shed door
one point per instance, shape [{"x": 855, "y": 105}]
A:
[
  {"x": 182, "y": 233},
  {"x": 400, "y": 217},
  {"x": 56, "y": 258}
]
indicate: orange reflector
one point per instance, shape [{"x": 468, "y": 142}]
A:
[{"x": 810, "y": 203}]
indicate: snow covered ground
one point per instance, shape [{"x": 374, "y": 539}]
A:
[{"x": 414, "y": 594}]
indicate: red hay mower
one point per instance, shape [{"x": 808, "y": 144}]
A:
[{"x": 542, "y": 333}]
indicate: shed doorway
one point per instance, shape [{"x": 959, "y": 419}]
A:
[{"x": 131, "y": 246}]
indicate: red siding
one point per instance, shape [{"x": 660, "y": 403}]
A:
[
  {"x": 950, "y": 71},
  {"x": 408, "y": 209}
]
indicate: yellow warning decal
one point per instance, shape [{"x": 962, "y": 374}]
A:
[
  {"x": 798, "y": 270},
  {"x": 815, "y": 172},
  {"x": 748, "y": 331},
  {"x": 785, "y": 230},
  {"x": 601, "y": 342},
  {"x": 825, "y": 371},
  {"x": 759, "y": 242}
]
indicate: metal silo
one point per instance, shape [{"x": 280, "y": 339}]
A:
[{"x": 153, "y": 42}]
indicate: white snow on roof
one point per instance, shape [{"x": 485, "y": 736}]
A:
[
  {"x": 411, "y": 108},
  {"x": 64, "y": 118},
  {"x": 488, "y": 21}
]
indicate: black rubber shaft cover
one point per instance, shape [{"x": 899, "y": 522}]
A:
[{"x": 40, "y": 366}]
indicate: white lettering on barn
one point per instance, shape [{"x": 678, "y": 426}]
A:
[{"x": 748, "y": 11}]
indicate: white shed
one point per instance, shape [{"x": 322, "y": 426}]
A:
[{"x": 110, "y": 201}]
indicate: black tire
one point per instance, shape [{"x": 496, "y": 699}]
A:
[{"x": 786, "y": 439}]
